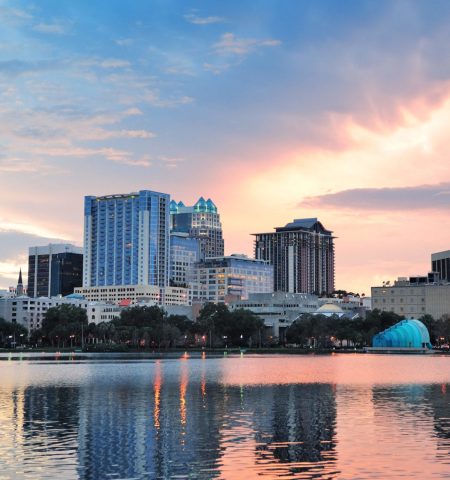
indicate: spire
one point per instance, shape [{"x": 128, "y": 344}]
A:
[{"x": 19, "y": 290}]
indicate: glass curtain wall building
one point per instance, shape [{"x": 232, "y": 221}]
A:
[
  {"x": 126, "y": 239},
  {"x": 302, "y": 254},
  {"x": 54, "y": 269},
  {"x": 184, "y": 253},
  {"x": 231, "y": 277},
  {"x": 202, "y": 222}
]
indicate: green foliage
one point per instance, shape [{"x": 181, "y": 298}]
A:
[
  {"x": 14, "y": 330},
  {"x": 225, "y": 327},
  {"x": 322, "y": 329},
  {"x": 62, "y": 325}
]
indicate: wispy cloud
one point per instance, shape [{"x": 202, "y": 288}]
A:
[
  {"x": 114, "y": 63},
  {"x": 197, "y": 20},
  {"x": 15, "y": 13},
  {"x": 35, "y": 166},
  {"x": 54, "y": 28},
  {"x": 16, "y": 67},
  {"x": 170, "y": 162},
  {"x": 231, "y": 50},
  {"x": 379, "y": 199},
  {"x": 230, "y": 44},
  {"x": 124, "y": 42}
]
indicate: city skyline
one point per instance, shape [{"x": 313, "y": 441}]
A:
[{"x": 289, "y": 111}]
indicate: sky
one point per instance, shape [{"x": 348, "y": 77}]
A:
[{"x": 276, "y": 110}]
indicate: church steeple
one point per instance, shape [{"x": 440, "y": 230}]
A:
[{"x": 19, "y": 289}]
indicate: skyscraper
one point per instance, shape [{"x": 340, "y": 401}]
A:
[
  {"x": 202, "y": 222},
  {"x": 54, "y": 269},
  {"x": 302, "y": 253},
  {"x": 126, "y": 239},
  {"x": 184, "y": 253}
]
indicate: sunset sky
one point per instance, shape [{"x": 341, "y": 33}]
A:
[{"x": 275, "y": 109}]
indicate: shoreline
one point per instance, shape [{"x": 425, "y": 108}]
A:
[{"x": 72, "y": 354}]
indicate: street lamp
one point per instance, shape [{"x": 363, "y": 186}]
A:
[{"x": 226, "y": 341}]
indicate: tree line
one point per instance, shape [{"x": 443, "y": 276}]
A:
[
  {"x": 150, "y": 327},
  {"x": 323, "y": 332},
  {"x": 216, "y": 326}
]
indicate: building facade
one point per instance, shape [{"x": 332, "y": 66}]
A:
[
  {"x": 126, "y": 239},
  {"x": 54, "y": 269},
  {"x": 202, "y": 222},
  {"x": 184, "y": 254},
  {"x": 302, "y": 254},
  {"x": 221, "y": 279},
  {"x": 278, "y": 310},
  {"x": 413, "y": 300},
  {"x": 440, "y": 263},
  {"x": 30, "y": 312},
  {"x": 137, "y": 293}
]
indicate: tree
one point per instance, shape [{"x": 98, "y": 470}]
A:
[
  {"x": 61, "y": 322},
  {"x": 212, "y": 321},
  {"x": 13, "y": 330},
  {"x": 242, "y": 325}
]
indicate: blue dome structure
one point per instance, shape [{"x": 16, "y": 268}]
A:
[{"x": 410, "y": 333}]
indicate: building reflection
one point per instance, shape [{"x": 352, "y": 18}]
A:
[
  {"x": 428, "y": 405},
  {"x": 179, "y": 423}
]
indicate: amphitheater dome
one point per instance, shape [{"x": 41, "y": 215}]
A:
[{"x": 409, "y": 333}]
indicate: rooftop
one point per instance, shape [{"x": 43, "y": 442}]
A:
[{"x": 298, "y": 224}]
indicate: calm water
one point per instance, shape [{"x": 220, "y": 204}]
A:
[{"x": 340, "y": 416}]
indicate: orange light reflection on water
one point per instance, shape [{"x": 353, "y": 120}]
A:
[
  {"x": 184, "y": 379},
  {"x": 157, "y": 396}
]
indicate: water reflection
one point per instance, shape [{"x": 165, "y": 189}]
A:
[{"x": 185, "y": 418}]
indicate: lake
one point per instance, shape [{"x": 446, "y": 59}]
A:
[{"x": 343, "y": 416}]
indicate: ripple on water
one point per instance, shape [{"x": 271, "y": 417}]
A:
[{"x": 232, "y": 418}]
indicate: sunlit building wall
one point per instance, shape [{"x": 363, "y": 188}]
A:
[{"x": 413, "y": 300}]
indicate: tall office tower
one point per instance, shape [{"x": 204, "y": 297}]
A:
[
  {"x": 200, "y": 221},
  {"x": 302, "y": 254},
  {"x": 184, "y": 253},
  {"x": 126, "y": 239},
  {"x": 440, "y": 263},
  {"x": 55, "y": 269}
]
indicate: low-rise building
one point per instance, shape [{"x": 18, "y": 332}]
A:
[
  {"x": 350, "y": 306},
  {"x": 116, "y": 294},
  {"x": 236, "y": 276},
  {"x": 278, "y": 309},
  {"x": 30, "y": 312},
  {"x": 413, "y": 299}
]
